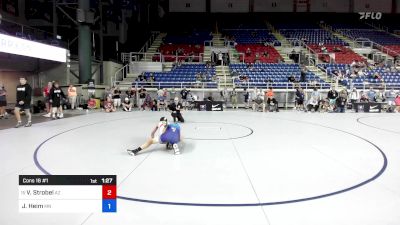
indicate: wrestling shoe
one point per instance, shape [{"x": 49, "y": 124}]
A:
[
  {"x": 19, "y": 124},
  {"x": 132, "y": 152},
  {"x": 176, "y": 149},
  {"x": 28, "y": 124},
  {"x": 169, "y": 146}
]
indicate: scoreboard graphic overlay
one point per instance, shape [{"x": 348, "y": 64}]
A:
[{"x": 67, "y": 193}]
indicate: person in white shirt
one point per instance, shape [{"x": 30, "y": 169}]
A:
[{"x": 354, "y": 97}]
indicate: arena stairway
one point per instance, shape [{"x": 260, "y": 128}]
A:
[
  {"x": 224, "y": 77},
  {"x": 154, "y": 46},
  {"x": 283, "y": 41}
]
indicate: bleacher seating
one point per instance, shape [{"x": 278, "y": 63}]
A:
[
  {"x": 391, "y": 79},
  {"x": 252, "y": 36},
  {"x": 380, "y": 37},
  {"x": 257, "y": 53},
  {"x": 342, "y": 54},
  {"x": 169, "y": 51},
  {"x": 313, "y": 36},
  {"x": 185, "y": 73},
  {"x": 277, "y": 73},
  {"x": 192, "y": 38}
]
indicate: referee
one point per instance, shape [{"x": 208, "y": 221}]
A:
[{"x": 176, "y": 108}]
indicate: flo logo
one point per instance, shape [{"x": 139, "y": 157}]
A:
[{"x": 370, "y": 15}]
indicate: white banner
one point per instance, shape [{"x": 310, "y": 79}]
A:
[{"x": 18, "y": 46}]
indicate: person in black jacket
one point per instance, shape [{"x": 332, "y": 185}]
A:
[
  {"x": 56, "y": 96},
  {"x": 176, "y": 108},
  {"x": 24, "y": 97}
]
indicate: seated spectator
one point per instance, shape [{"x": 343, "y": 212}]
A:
[
  {"x": 109, "y": 105},
  {"x": 313, "y": 103},
  {"x": 127, "y": 105},
  {"x": 148, "y": 103},
  {"x": 248, "y": 52},
  {"x": 271, "y": 101},
  {"x": 363, "y": 97},
  {"x": 380, "y": 96},
  {"x": 291, "y": 79},
  {"x": 258, "y": 102},
  {"x": 92, "y": 103}
]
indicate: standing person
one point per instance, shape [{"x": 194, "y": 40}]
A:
[
  {"x": 234, "y": 99},
  {"x": 176, "y": 108},
  {"x": 72, "y": 96},
  {"x": 24, "y": 97},
  {"x": 224, "y": 95},
  {"x": 56, "y": 96},
  {"x": 3, "y": 102},
  {"x": 46, "y": 95},
  {"x": 299, "y": 99},
  {"x": 184, "y": 97},
  {"x": 354, "y": 97},
  {"x": 371, "y": 95},
  {"x": 142, "y": 97},
  {"x": 247, "y": 98},
  {"x": 341, "y": 101},
  {"x": 161, "y": 99},
  {"x": 332, "y": 96},
  {"x": 117, "y": 97}
]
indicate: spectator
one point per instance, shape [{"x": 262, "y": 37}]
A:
[
  {"x": 371, "y": 94},
  {"x": 259, "y": 102},
  {"x": 332, "y": 96},
  {"x": 397, "y": 102},
  {"x": 3, "y": 102},
  {"x": 299, "y": 104},
  {"x": 390, "y": 97},
  {"x": 72, "y": 95},
  {"x": 148, "y": 103},
  {"x": 247, "y": 98},
  {"x": 224, "y": 95},
  {"x": 92, "y": 103},
  {"x": 234, "y": 99},
  {"x": 46, "y": 95},
  {"x": 341, "y": 102},
  {"x": 184, "y": 97},
  {"x": 56, "y": 98},
  {"x": 363, "y": 97},
  {"x": 354, "y": 97},
  {"x": 272, "y": 103},
  {"x": 117, "y": 97},
  {"x": 24, "y": 97},
  {"x": 313, "y": 103},
  {"x": 291, "y": 79},
  {"x": 131, "y": 94},
  {"x": 109, "y": 105},
  {"x": 127, "y": 105},
  {"x": 161, "y": 97},
  {"x": 380, "y": 96},
  {"x": 142, "y": 97}
]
